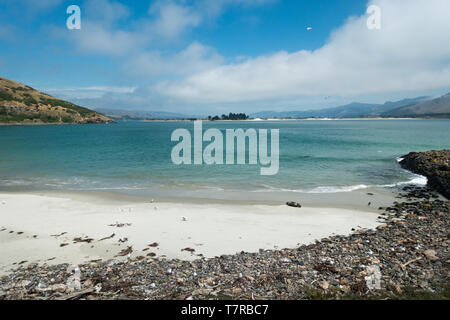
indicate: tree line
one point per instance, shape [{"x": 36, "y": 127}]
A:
[{"x": 230, "y": 116}]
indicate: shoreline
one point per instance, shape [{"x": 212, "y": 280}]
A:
[
  {"x": 15, "y": 124},
  {"x": 356, "y": 199},
  {"x": 207, "y": 229},
  {"x": 206, "y": 120},
  {"x": 274, "y": 119},
  {"x": 406, "y": 257},
  {"x": 402, "y": 254}
]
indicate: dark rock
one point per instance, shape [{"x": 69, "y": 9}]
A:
[
  {"x": 294, "y": 204},
  {"x": 435, "y": 165}
]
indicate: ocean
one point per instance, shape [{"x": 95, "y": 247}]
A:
[{"x": 134, "y": 157}]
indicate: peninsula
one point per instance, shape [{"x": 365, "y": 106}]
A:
[{"x": 21, "y": 104}]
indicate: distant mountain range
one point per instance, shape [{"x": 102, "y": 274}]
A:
[
  {"x": 119, "y": 114},
  {"x": 439, "y": 107},
  {"x": 21, "y": 104},
  {"x": 415, "y": 107}
]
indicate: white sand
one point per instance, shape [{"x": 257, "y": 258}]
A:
[{"x": 210, "y": 229}]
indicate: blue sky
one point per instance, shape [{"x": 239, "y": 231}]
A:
[{"x": 213, "y": 56}]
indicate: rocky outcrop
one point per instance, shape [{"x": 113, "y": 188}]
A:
[{"x": 435, "y": 165}]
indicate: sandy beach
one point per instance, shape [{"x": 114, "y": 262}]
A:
[
  {"x": 132, "y": 247},
  {"x": 77, "y": 229}
]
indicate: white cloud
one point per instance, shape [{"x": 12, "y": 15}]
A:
[
  {"x": 212, "y": 9},
  {"x": 410, "y": 53},
  {"x": 172, "y": 19},
  {"x": 105, "y": 12},
  {"x": 195, "y": 58},
  {"x": 167, "y": 20},
  {"x": 38, "y": 5},
  {"x": 93, "y": 92},
  {"x": 96, "y": 38},
  {"x": 100, "y": 33}
]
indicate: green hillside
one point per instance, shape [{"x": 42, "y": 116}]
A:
[
  {"x": 435, "y": 108},
  {"x": 21, "y": 104}
]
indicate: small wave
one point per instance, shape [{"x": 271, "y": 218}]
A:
[
  {"x": 324, "y": 189},
  {"x": 338, "y": 189},
  {"x": 116, "y": 188},
  {"x": 417, "y": 180},
  {"x": 400, "y": 159}
]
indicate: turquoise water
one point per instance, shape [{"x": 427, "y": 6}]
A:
[{"x": 315, "y": 156}]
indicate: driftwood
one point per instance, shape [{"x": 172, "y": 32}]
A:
[
  {"x": 77, "y": 295},
  {"x": 110, "y": 237},
  {"x": 403, "y": 266}
]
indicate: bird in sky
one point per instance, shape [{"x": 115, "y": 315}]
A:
[{"x": 308, "y": 28}]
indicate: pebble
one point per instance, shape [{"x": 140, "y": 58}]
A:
[
  {"x": 324, "y": 285},
  {"x": 431, "y": 255}
]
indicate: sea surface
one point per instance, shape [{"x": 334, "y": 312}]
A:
[{"x": 135, "y": 157}]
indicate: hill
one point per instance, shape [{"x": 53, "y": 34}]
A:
[
  {"x": 21, "y": 104},
  {"x": 439, "y": 107},
  {"x": 352, "y": 110}
]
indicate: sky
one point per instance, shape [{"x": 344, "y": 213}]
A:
[{"x": 207, "y": 57}]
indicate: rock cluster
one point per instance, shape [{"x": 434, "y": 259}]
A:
[
  {"x": 435, "y": 165},
  {"x": 409, "y": 250}
]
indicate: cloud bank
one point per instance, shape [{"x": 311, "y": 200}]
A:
[
  {"x": 411, "y": 52},
  {"x": 158, "y": 56}
]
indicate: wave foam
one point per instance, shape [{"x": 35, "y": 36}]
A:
[
  {"x": 338, "y": 189},
  {"x": 323, "y": 189},
  {"x": 417, "y": 180}
]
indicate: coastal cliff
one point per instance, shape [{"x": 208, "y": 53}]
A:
[
  {"x": 435, "y": 165},
  {"x": 21, "y": 104}
]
